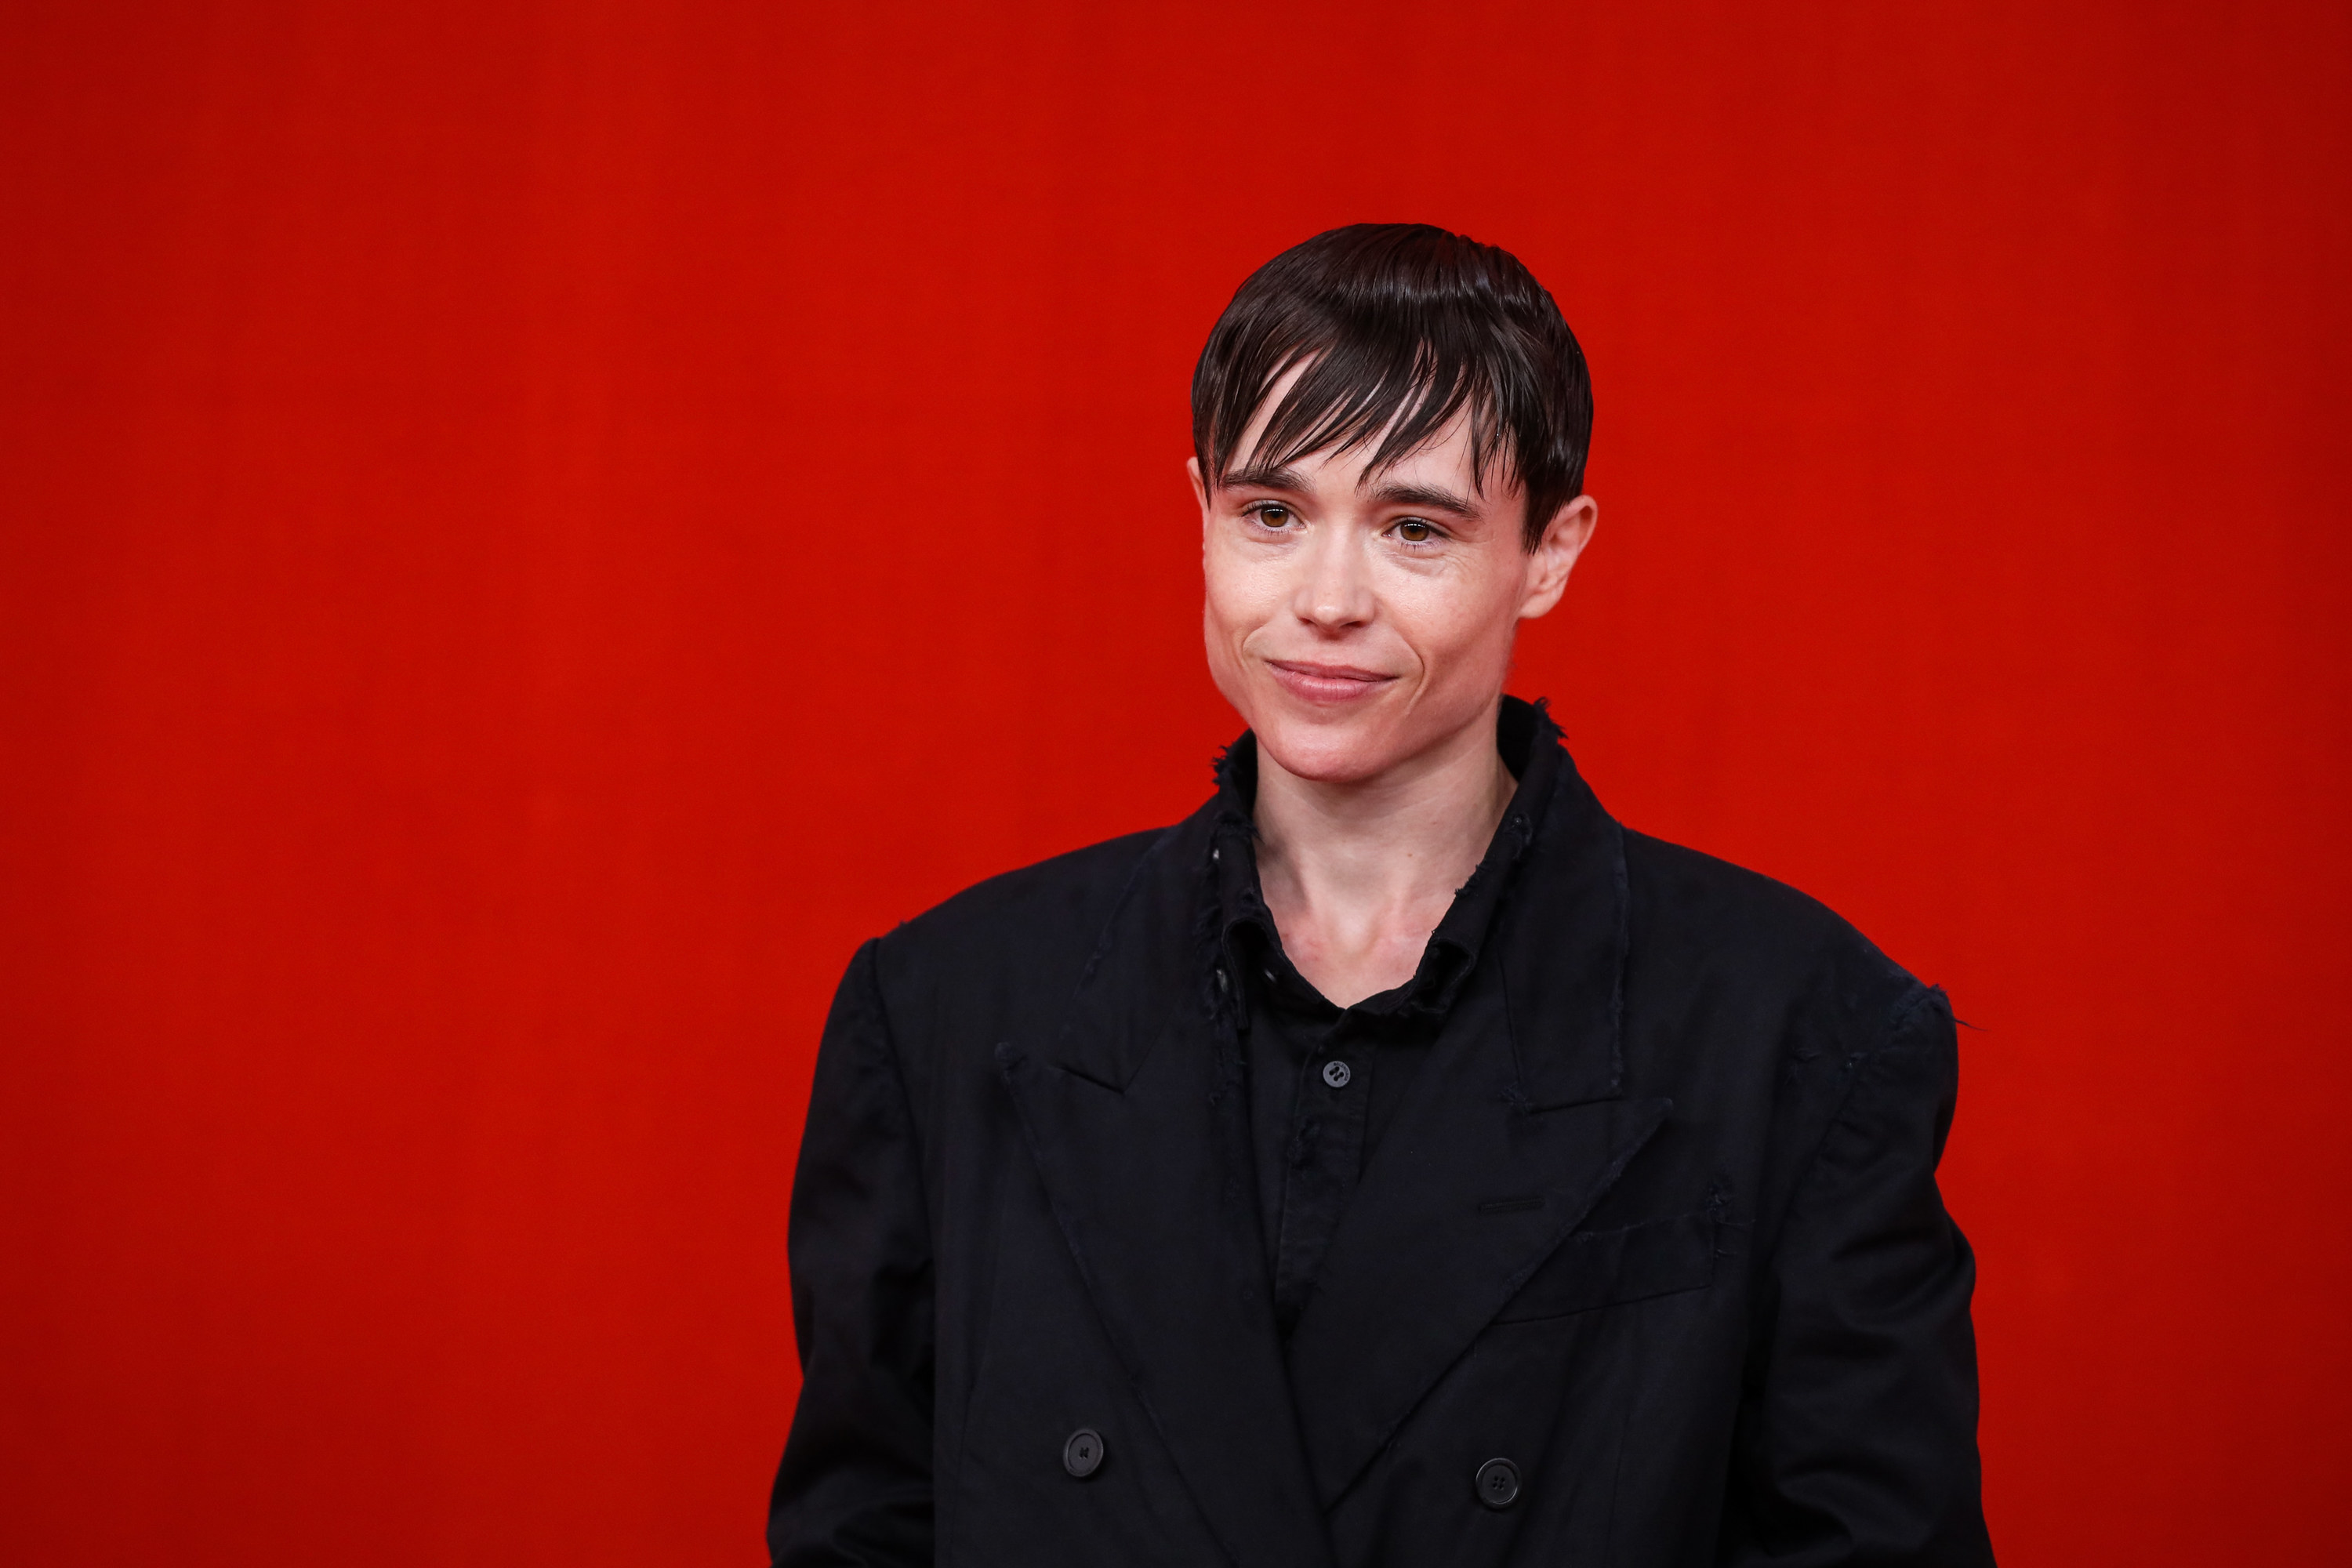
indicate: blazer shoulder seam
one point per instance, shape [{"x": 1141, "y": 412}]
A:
[
  {"x": 1853, "y": 1067},
  {"x": 870, "y": 958}
]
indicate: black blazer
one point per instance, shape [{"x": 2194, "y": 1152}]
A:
[{"x": 1659, "y": 1229}]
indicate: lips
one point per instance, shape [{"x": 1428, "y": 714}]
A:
[{"x": 1327, "y": 683}]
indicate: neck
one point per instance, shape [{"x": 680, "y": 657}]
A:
[{"x": 1358, "y": 875}]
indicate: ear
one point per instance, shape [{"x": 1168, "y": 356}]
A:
[
  {"x": 1554, "y": 556},
  {"x": 1200, "y": 494}
]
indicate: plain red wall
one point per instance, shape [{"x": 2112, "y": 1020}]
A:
[{"x": 529, "y": 531}]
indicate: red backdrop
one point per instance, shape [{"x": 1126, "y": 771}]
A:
[{"x": 531, "y": 529}]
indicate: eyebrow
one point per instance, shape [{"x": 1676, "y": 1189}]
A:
[
  {"x": 1259, "y": 477},
  {"x": 1434, "y": 498},
  {"x": 1430, "y": 497}
]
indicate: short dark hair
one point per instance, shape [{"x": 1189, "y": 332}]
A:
[{"x": 1405, "y": 325}]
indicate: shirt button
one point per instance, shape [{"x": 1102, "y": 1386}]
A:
[
  {"x": 1082, "y": 1456},
  {"x": 1498, "y": 1483},
  {"x": 1336, "y": 1074}
]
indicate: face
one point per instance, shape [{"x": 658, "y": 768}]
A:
[{"x": 1360, "y": 622}]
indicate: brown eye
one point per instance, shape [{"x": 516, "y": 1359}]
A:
[
  {"x": 1274, "y": 516},
  {"x": 1413, "y": 530}
]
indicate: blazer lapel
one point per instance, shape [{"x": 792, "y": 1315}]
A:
[
  {"x": 1136, "y": 1115},
  {"x": 1513, "y": 1130}
]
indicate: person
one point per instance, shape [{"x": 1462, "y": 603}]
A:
[{"x": 1397, "y": 1162}]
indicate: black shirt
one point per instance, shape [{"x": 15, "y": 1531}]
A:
[{"x": 1326, "y": 1081}]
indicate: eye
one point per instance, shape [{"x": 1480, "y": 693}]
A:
[
  {"x": 1414, "y": 530},
  {"x": 1272, "y": 514}
]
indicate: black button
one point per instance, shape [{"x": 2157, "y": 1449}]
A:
[
  {"x": 1498, "y": 1483},
  {"x": 1082, "y": 1456},
  {"x": 1336, "y": 1074}
]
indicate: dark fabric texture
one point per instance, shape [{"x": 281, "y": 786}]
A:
[
  {"x": 1312, "y": 1135},
  {"x": 1654, "y": 1219}
]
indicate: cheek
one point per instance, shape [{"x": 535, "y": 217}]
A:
[
  {"x": 1237, "y": 595},
  {"x": 1229, "y": 614},
  {"x": 1461, "y": 625}
]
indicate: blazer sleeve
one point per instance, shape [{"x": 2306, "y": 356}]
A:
[
  {"x": 1856, "y": 1442},
  {"x": 855, "y": 1487}
]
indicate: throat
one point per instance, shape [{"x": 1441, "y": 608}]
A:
[{"x": 1357, "y": 887}]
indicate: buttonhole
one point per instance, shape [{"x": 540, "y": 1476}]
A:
[{"x": 1511, "y": 1205}]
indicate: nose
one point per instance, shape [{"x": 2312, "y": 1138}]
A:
[{"x": 1335, "y": 591}]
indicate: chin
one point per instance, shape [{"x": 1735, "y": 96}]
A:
[{"x": 1329, "y": 754}]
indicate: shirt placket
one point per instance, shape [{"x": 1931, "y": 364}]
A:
[{"x": 1326, "y": 1155}]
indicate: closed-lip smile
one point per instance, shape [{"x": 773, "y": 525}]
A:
[{"x": 1326, "y": 683}]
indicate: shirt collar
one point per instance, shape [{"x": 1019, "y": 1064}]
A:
[{"x": 1529, "y": 743}]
